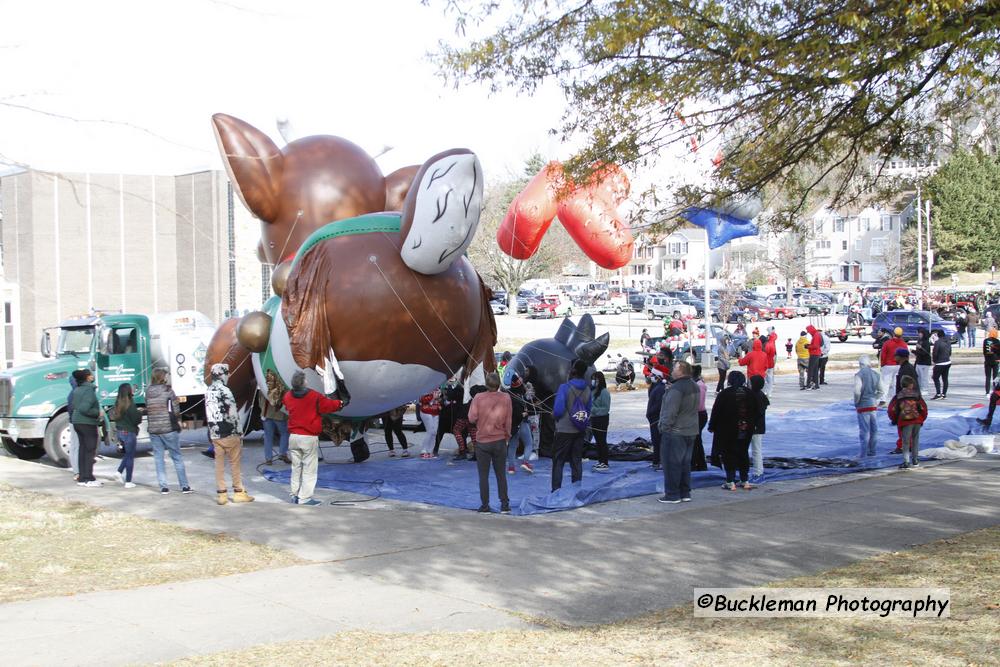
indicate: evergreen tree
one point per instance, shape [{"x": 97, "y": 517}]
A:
[{"x": 965, "y": 213}]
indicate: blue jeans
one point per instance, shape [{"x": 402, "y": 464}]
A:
[
  {"x": 128, "y": 460},
  {"x": 972, "y": 336},
  {"x": 523, "y": 435},
  {"x": 867, "y": 432},
  {"x": 675, "y": 456},
  {"x": 275, "y": 428},
  {"x": 172, "y": 443}
]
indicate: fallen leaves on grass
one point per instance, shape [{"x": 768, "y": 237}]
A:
[{"x": 51, "y": 547}]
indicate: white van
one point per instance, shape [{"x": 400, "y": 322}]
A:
[{"x": 764, "y": 291}]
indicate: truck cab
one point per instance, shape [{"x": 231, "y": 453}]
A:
[{"x": 118, "y": 348}]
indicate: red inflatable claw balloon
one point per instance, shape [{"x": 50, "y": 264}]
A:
[
  {"x": 530, "y": 214},
  {"x": 588, "y": 213}
]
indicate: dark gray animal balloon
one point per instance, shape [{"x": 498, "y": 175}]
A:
[{"x": 546, "y": 363}]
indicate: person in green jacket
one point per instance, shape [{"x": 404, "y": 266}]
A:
[
  {"x": 127, "y": 419},
  {"x": 600, "y": 416},
  {"x": 86, "y": 413}
]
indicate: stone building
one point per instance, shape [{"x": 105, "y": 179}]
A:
[{"x": 73, "y": 243}]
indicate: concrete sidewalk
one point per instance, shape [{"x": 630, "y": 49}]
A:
[{"x": 416, "y": 569}]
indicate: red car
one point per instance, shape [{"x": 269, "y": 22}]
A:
[{"x": 784, "y": 312}]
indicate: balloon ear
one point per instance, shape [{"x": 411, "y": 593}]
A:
[
  {"x": 397, "y": 186},
  {"x": 253, "y": 162}
]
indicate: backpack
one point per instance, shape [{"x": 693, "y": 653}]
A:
[
  {"x": 908, "y": 410},
  {"x": 579, "y": 414}
]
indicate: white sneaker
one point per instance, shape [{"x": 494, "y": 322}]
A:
[
  {"x": 129, "y": 485},
  {"x": 121, "y": 476},
  {"x": 92, "y": 483},
  {"x": 533, "y": 457}
]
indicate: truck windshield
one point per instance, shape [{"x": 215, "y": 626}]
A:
[{"x": 75, "y": 341}]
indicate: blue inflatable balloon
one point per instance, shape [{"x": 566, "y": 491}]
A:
[{"x": 721, "y": 227}]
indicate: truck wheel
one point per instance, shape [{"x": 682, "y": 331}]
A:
[
  {"x": 57, "y": 439},
  {"x": 651, "y": 315},
  {"x": 22, "y": 451},
  {"x": 569, "y": 312},
  {"x": 618, "y": 310},
  {"x": 842, "y": 338}
]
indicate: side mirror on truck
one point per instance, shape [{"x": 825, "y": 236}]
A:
[
  {"x": 107, "y": 342},
  {"x": 45, "y": 346}
]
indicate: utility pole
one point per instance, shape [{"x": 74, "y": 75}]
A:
[
  {"x": 920, "y": 245},
  {"x": 930, "y": 251}
]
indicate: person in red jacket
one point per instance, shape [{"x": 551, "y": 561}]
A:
[
  {"x": 755, "y": 360},
  {"x": 889, "y": 365},
  {"x": 907, "y": 411},
  {"x": 429, "y": 409},
  {"x": 815, "y": 348},
  {"x": 305, "y": 422},
  {"x": 771, "y": 350}
]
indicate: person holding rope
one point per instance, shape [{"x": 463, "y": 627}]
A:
[{"x": 305, "y": 422}]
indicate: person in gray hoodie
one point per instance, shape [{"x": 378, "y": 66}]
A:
[
  {"x": 867, "y": 390},
  {"x": 678, "y": 427}
]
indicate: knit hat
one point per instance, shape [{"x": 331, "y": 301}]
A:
[
  {"x": 898, "y": 331},
  {"x": 902, "y": 352},
  {"x": 218, "y": 370},
  {"x": 656, "y": 372}
]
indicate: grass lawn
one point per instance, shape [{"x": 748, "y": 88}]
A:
[
  {"x": 51, "y": 547},
  {"x": 969, "y": 565}
]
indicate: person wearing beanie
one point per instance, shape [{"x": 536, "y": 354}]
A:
[
  {"x": 654, "y": 402},
  {"x": 867, "y": 392},
  {"x": 888, "y": 363},
  {"x": 305, "y": 423},
  {"x": 907, "y": 412},
  {"x": 224, "y": 431},
  {"x": 732, "y": 422},
  {"x": 906, "y": 369}
]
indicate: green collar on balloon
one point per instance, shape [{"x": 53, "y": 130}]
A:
[
  {"x": 365, "y": 224},
  {"x": 273, "y": 308}
]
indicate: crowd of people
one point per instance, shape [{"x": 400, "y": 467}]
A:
[{"x": 498, "y": 426}]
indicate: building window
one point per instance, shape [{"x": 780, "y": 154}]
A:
[
  {"x": 878, "y": 247},
  {"x": 843, "y": 245},
  {"x": 886, "y": 222},
  {"x": 838, "y": 224},
  {"x": 865, "y": 225},
  {"x": 857, "y": 245},
  {"x": 822, "y": 245}
]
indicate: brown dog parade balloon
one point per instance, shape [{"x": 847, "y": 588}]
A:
[{"x": 373, "y": 289}]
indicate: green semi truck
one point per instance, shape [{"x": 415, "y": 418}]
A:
[{"x": 118, "y": 348}]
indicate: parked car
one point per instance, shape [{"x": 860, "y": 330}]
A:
[
  {"x": 665, "y": 306},
  {"x": 638, "y": 300},
  {"x": 912, "y": 321},
  {"x": 782, "y": 311},
  {"x": 498, "y": 308},
  {"x": 552, "y": 305},
  {"x": 699, "y": 305},
  {"x": 678, "y": 294},
  {"x": 753, "y": 310},
  {"x": 522, "y": 304}
]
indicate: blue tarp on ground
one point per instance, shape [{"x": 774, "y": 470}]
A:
[{"x": 829, "y": 432}]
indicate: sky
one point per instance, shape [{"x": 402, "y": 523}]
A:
[{"x": 130, "y": 86}]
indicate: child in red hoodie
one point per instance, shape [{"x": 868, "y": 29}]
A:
[
  {"x": 907, "y": 411},
  {"x": 428, "y": 409}
]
